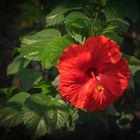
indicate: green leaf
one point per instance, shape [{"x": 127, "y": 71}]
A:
[
  {"x": 124, "y": 120},
  {"x": 56, "y": 16},
  {"x": 53, "y": 51},
  {"x": 115, "y": 37},
  {"x": 10, "y": 117},
  {"x": 98, "y": 27},
  {"x": 77, "y": 37},
  {"x": 121, "y": 9},
  {"x": 56, "y": 80},
  {"x": 33, "y": 45},
  {"x": 30, "y": 12},
  {"x": 18, "y": 63},
  {"x": 132, "y": 59},
  {"x": 52, "y": 20},
  {"x": 134, "y": 63},
  {"x": 46, "y": 49},
  {"x": 71, "y": 17},
  {"x": 112, "y": 111},
  {"x": 128, "y": 117},
  {"x": 33, "y": 51},
  {"x": 46, "y": 88},
  {"x": 121, "y": 25},
  {"x": 28, "y": 78},
  {"x": 73, "y": 119},
  {"x": 44, "y": 35},
  {"x": 108, "y": 29},
  {"x": 79, "y": 26},
  {"x": 8, "y": 92},
  {"x": 19, "y": 98},
  {"x": 44, "y": 114},
  {"x": 134, "y": 68}
]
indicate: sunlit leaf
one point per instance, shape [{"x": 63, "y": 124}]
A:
[
  {"x": 45, "y": 46},
  {"x": 53, "y": 51},
  {"x": 33, "y": 45},
  {"x": 44, "y": 35}
]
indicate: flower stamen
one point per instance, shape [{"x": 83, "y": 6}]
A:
[{"x": 99, "y": 89}]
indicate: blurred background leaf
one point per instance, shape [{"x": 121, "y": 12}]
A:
[{"x": 27, "y": 78}]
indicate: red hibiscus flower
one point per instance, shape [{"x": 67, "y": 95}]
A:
[{"x": 93, "y": 75}]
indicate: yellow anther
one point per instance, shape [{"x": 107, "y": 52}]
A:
[{"x": 99, "y": 89}]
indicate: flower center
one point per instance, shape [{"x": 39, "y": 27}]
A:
[
  {"x": 99, "y": 89},
  {"x": 92, "y": 72}
]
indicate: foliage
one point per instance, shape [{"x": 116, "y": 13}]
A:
[{"x": 33, "y": 99}]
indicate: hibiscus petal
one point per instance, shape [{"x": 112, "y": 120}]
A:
[
  {"x": 103, "y": 50},
  {"x": 99, "y": 101},
  {"x": 75, "y": 58},
  {"x": 76, "y": 89},
  {"x": 115, "y": 77},
  {"x": 74, "y": 84}
]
